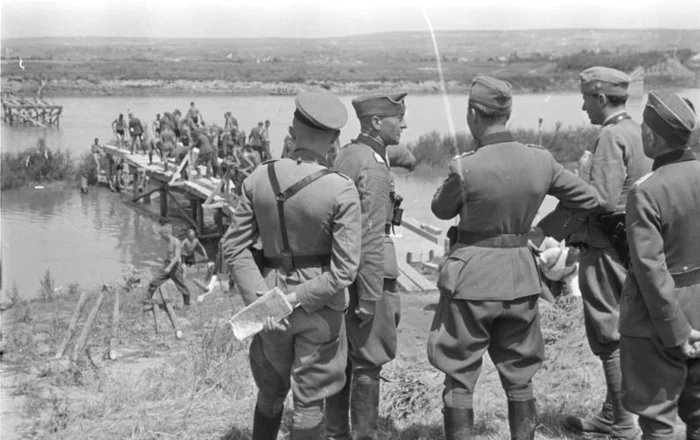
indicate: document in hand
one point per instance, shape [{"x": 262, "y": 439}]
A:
[{"x": 249, "y": 321}]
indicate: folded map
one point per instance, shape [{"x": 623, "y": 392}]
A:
[{"x": 249, "y": 321}]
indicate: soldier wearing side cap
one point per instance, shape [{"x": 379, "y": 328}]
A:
[
  {"x": 496, "y": 192},
  {"x": 615, "y": 162},
  {"x": 660, "y": 306},
  {"x": 374, "y": 310},
  {"x": 308, "y": 219}
]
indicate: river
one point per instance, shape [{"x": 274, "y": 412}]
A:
[{"x": 91, "y": 238}]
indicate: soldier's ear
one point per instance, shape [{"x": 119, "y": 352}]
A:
[
  {"x": 602, "y": 100},
  {"x": 292, "y": 133},
  {"x": 376, "y": 122}
]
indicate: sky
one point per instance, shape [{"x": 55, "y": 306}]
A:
[{"x": 328, "y": 18}]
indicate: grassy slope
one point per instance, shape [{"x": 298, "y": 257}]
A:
[
  {"x": 201, "y": 387},
  {"x": 403, "y": 56}
]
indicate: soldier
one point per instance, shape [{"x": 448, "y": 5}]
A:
[
  {"x": 136, "y": 132},
  {"x": 615, "y": 163},
  {"x": 496, "y": 191},
  {"x": 660, "y": 307},
  {"x": 374, "y": 309},
  {"x": 310, "y": 231},
  {"x": 171, "y": 269}
]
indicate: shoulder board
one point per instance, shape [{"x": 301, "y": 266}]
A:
[
  {"x": 642, "y": 179},
  {"x": 536, "y": 146},
  {"x": 269, "y": 161},
  {"x": 379, "y": 158},
  {"x": 466, "y": 154}
]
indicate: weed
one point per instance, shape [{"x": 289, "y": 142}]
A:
[
  {"x": 73, "y": 289},
  {"x": 47, "y": 285}
]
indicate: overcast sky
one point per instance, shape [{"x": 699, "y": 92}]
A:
[{"x": 315, "y": 18}]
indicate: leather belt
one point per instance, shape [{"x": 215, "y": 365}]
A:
[
  {"x": 298, "y": 261},
  {"x": 492, "y": 240},
  {"x": 686, "y": 279}
]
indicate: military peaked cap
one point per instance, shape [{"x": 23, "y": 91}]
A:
[{"x": 320, "y": 109}]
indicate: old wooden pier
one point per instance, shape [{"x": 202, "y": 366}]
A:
[{"x": 35, "y": 112}]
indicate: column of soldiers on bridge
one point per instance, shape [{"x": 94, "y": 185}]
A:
[
  {"x": 326, "y": 241},
  {"x": 175, "y": 137}
]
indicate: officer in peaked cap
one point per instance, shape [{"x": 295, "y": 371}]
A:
[
  {"x": 612, "y": 165},
  {"x": 660, "y": 308},
  {"x": 496, "y": 192},
  {"x": 308, "y": 219},
  {"x": 374, "y": 309}
]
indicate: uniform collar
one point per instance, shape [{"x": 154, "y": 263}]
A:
[
  {"x": 495, "y": 138},
  {"x": 673, "y": 157},
  {"x": 616, "y": 118},
  {"x": 303, "y": 154},
  {"x": 374, "y": 143}
]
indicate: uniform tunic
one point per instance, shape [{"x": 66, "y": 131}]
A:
[
  {"x": 373, "y": 345},
  {"x": 661, "y": 298},
  {"x": 490, "y": 283},
  {"x": 616, "y": 162},
  {"x": 323, "y": 218}
]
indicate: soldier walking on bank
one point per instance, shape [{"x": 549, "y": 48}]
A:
[
  {"x": 660, "y": 308},
  {"x": 309, "y": 221},
  {"x": 496, "y": 192},
  {"x": 374, "y": 310},
  {"x": 615, "y": 163}
]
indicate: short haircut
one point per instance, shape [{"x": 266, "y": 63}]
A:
[
  {"x": 488, "y": 113},
  {"x": 616, "y": 101},
  {"x": 192, "y": 103}
]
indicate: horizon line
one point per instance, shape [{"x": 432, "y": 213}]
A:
[{"x": 354, "y": 35}]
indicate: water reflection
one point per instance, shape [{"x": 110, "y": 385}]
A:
[{"x": 85, "y": 238}]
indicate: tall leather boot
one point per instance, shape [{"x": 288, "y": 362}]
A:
[
  {"x": 623, "y": 426},
  {"x": 338, "y": 411},
  {"x": 265, "y": 428},
  {"x": 315, "y": 433},
  {"x": 364, "y": 408},
  {"x": 522, "y": 418},
  {"x": 601, "y": 423},
  {"x": 459, "y": 423}
]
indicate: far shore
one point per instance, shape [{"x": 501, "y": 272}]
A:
[{"x": 148, "y": 87}]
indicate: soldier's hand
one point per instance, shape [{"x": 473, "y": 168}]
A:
[
  {"x": 270, "y": 325},
  {"x": 691, "y": 347},
  {"x": 365, "y": 311}
]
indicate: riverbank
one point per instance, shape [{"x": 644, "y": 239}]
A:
[
  {"x": 201, "y": 386},
  {"x": 45, "y": 167},
  {"x": 93, "y": 87}
]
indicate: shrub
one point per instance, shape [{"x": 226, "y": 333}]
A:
[{"x": 40, "y": 164}]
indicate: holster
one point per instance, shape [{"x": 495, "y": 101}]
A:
[{"x": 613, "y": 226}]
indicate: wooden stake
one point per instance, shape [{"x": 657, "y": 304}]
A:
[
  {"x": 115, "y": 327},
  {"x": 82, "y": 339},
  {"x": 73, "y": 324}
]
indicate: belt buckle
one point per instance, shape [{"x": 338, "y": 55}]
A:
[{"x": 287, "y": 260}]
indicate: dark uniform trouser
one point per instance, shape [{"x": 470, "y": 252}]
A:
[
  {"x": 176, "y": 275},
  {"x": 601, "y": 277},
  {"x": 369, "y": 348},
  {"x": 464, "y": 330},
  {"x": 660, "y": 383},
  {"x": 309, "y": 358}
]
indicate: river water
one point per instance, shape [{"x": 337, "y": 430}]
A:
[{"x": 91, "y": 238}]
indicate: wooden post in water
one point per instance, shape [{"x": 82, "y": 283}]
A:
[
  {"x": 200, "y": 217},
  {"x": 164, "y": 201},
  {"x": 219, "y": 220},
  {"x": 135, "y": 174},
  {"x": 82, "y": 339},
  {"x": 73, "y": 324},
  {"x": 115, "y": 327}
]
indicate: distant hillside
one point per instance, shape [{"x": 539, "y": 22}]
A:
[{"x": 532, "y": 60}]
